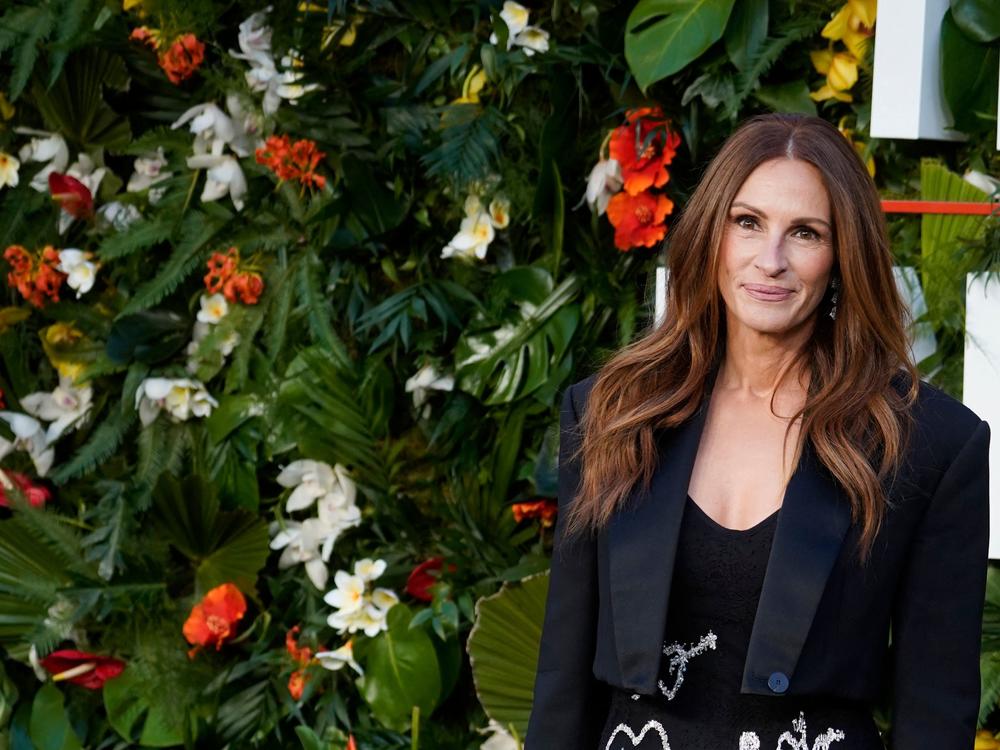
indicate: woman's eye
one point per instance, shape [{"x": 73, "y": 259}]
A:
[
  {"x": 740, "y": 219},
  {"x": 810, "y": 233}
]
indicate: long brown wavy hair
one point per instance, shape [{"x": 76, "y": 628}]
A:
[{"x": 855, "y": 413}]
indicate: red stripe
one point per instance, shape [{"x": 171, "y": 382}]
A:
[{"x": 938, "y": 207}]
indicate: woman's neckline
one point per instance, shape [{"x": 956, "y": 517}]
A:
[{"x": 726, "y": 529}]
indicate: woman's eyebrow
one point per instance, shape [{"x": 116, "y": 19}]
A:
[{"x": 794, "y": 221}]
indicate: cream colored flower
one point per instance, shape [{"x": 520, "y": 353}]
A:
[
  {"x": 349, "y": 594},
  {"x": 334, "y": 660},
  {"x": 500, "y": 212},
  {"x": 181, "y": 398},
  {"x": 213, "y": 307},
  {"x": 79, "y": 269},
  {"x": 8, "y": 170},
  {"x": 605, "y": 180}
]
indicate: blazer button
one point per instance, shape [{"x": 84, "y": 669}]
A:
[{"x": 778, "y": 682}]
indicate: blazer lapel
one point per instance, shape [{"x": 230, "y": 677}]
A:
[
  {"x": 642, "y": 545},
  {"x": 642, "y": 541},
  {"x": 814, "y": 519}
]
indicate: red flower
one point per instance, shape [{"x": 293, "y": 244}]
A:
[
  {"x": 36, "y": 494},
  {"x": 420, "y": 580},
  {"x": 351, "y": 744},
  {"x": 147, "y": 36},
  {"x": 301, "y": 654},
  {"x": 638, "y": 219},
  {"x": 89, "y": 670},
  {"x": 544, "y": 509},
  {"x": 224, "y": 275},
  {"x": 72, "y": 195},
  {"x": 292, "y": 161},
  {"x": 182, "y": 58},
  {"x": 213, "y": 620},
  {"x": 647, "y": 169}
]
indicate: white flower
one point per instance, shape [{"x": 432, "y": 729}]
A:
[
  {"x": 80, "y": 271},
  {"x": 987, "y": 183},
  {"x": 30, "y": 436},
  {"x": 384, "y": 599},
  {"x": 302, "y": 543},
  {"x": 532, "y": 40},
  {"x": 147, "y": 170},
  {"x": 334, "y": 660},
  {"x": 8, "y": 170},
  {"x": 181, "y": 397},
  {"x": 120, "y": 216},
  {"x": 605, "y": 180},
  {"x": 47, "y": 147},
  {"x": 224, "y": 177},
  {"x": 254, "y": 37},
  {"x": 500, "y": 738},
  {"x": 349, "y": 594},
  {"x": 368, "y": 618},
  {"x": 515, "y": 16},
  {"x": 317, "y": 479},
  {"x": 427, "y": 378},
  {"x": 368, "y": 570},
  {"x": 65, "y": 407},
  {"x": 500, "y": 213},
  {"x": 213, "y": 308},
  {"x": 473, "y": 238}
]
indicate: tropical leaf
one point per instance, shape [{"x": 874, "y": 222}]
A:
[
  {"x": 502, "y": 363},
  {"x": 664, "y": 36},
  {"x": 503, "y": 649}
]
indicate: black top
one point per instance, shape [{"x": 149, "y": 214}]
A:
[{"x": 718, "y": 577}]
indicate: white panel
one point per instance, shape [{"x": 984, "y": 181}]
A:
[
  {"x": 660, "y": 302},
  {"x": 981, "y": 386},
  {"x": 922, "y": 341},
  {"x": 906, "y": 92}
]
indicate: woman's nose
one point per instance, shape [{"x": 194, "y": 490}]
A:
[{"x": 771, "y": 259}]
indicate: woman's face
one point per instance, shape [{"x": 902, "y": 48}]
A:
[{"x": 777, "y": 249}]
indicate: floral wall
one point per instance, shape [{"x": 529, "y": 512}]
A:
[{"x": 292, "y": 292}]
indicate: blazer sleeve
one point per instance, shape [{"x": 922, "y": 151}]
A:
[
  {"x": 938, "y": 609},
  {"x": 570, "y": 704}
]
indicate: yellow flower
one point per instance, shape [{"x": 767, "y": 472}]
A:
[
  {"x": 127, "y": 5},
  {"x": 69, "y": 350},
  {"x": 330, "y": 31},
  {"x": 841, "y": 71},
  {"x": 852, "y": 25},
  {"x": 6, "y": 108},
  {"x": 474, "y": 83},
  {"x": 985, "y": 740},
  {"x": 859, "y": 146}
]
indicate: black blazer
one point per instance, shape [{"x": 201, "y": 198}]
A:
[{"x": 823, "y": 623}]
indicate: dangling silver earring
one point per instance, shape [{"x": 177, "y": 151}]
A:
[{"x": 834, "y": 285}]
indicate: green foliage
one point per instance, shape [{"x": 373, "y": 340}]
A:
[{"x": 969, "y": 71}]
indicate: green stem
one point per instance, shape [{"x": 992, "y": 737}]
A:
[{"x": 415, "y": 734}]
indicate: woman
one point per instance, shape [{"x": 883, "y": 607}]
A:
[{"x": 759, "y": 493}]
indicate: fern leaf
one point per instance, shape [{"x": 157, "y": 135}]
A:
[
  {"x": 138, "y": 236},
  {"x": 69, "y": 15},
  {"x": 198, "y": 231},
  {"x": 239, "y": 366},
  {"x": 27, "y": 53},
  {"x": 317, "y": 309},
  {"x": 282, "y": 290},
  {"x": 469, "y": 145}
]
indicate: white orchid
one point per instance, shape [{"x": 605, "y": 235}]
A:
[
  {"x": 532, "y": 39},
  {"x": 605, "y": 180},
  {"x": 147, "y": 171},
  {"x": 368, "y": 569},
  {"x": 500, "y": 213},
  {"x": 45, "y": 147},
  {"x": 427, "y": 379},
  {"x": 224, "y": 177},
  {"x": 304, "y": 542},
  {"x": 316, "y": 479},
  {"x": 8, "y": 170},
  {"x": 79, "y": 269},
  {"x": 29, "y": 436},
  {"x": 117, "y": 215},
  {"x": 349, "y": 594},
  {"x": 334, "y": 660},
  {"x": 66, "y": 406},
  {"x": 254, "y": 37},
  {"x": 182, "y": 398}
]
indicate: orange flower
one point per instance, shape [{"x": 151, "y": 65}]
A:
[
  {"x": 145, "y": 35},
  {"x": 297, "y": 683},
  {"x": 213, "y": 620},
  {"x": 224, "y": 275},
  {"x": 645, "y": 128},
  {"x": 351, "y": 744},
  {"x": 182, "y": 58},
  {"x": 544, "y": 509},
  {"x": 301, "y": 654},
  {"x": 292, "y": 161},
  {"x": 36, "y": 278},
  {"x": 638, "y": 219}
]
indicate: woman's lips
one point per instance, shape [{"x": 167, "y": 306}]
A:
[{"x": 767, "y": 293}]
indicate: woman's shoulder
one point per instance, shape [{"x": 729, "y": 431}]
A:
[{"x": 941, "y": 421}]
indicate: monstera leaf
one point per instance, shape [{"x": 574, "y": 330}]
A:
[
  {"x": 663, "y": 36},
  {"x": 503, "y": 649},
  {"x": 530, "y": 348}
]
